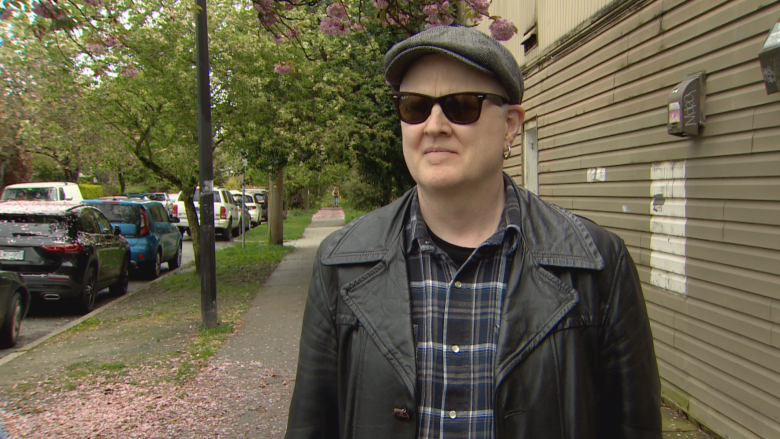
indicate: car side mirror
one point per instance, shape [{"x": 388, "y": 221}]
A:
[
  {"x": 117, "y": 231},
  {"x": 175, "y": 219}
]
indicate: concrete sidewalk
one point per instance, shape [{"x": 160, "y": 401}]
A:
[{"x": 268, "y": 336}]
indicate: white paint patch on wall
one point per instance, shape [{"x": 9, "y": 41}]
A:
[
  {"x": 674, "y": 207},
  {"x": 597, "y": 174},
  {"x": 667, "y": 226},
  {"x": 668, "y": 261}
]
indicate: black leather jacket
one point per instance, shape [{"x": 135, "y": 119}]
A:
[{"x": 575, "y": 354}]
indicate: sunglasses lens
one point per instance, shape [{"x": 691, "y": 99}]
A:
[
  {"x": 414, "y": 109},
  {"x": 462, "y": 108}
]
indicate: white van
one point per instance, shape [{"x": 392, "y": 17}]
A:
[{"x": 44, "y": 191}]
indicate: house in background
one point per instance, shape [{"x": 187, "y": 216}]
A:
[{"x": 700, "y": 213}]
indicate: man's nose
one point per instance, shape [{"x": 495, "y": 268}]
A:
[{"x": 437, "y": 122}]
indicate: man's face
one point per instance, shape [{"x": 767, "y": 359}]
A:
[{"x": 445, "y": 156}]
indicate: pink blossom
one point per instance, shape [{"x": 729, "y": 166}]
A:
[
  {"x": 292, "y": 33},
  {"x": 93, "y": 2},
  {"x": 437, "y": 14},
  {"x": 402, "y": 19},
  {"x": 267, "y": 20},
  {"x": 357, "y": 27},
  {"x": 337, "y": 11},
  {"x": 130, "y": 71},
  {"x": 502, "y": 29},
  {"x": 283, "y": 67},
  {"x": 111, "y": 41},
  {"x": 277, "y": 39},
  {"x": 44, "y": 9},
  {"x": 480, "y": 6},
  {"x": 332, "y": 26},
  {"x": 264, "y": 6},
  {"x": 95, "y": 48},
  {"x": 381, "y": 4},
  {"x": 6, "y": 13}
]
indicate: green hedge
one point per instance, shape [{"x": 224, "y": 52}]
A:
[{"x": 89, "y": 191}]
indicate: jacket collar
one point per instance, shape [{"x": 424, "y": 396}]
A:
[{"x": 551, "y": 235}]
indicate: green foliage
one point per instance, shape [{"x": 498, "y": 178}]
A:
[{"x": 89, "y": 191}]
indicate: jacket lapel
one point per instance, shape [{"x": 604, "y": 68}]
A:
[
  {"x": 379, "y": 298},
  {"x": 536, "y": 300}
]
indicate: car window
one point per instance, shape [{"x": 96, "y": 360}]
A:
[
  {"x": 33, "y": 193},
  {"x": 157, "y": 197},
  {"x": 158, "y": 213},
  {"x": 86, "y": 222},
  {"x": 260, "y": 198},
  {"x": 120, "y": 213},
  {"x": 102, "y": 222},
  {"x": 62, "y": 193},
  {"x": 17, "y": 225},
  {"x": 196, "y": 197}
]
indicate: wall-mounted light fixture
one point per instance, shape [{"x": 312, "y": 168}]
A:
[
  {"x": 686, "y": 107},
  {"x": 769, "y": 57}
]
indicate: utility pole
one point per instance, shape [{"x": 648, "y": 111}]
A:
[
  {"x": 208, "y": 265},
  {"x": 275, "y": 206}
]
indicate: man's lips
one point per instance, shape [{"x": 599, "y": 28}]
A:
[{"x": 437, "y": 150}]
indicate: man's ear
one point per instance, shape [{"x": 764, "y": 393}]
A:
[{"x": 515, "y": 115}]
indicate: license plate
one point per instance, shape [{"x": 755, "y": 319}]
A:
[{"x": 17, "y": 255}]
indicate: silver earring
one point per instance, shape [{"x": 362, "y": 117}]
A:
[{"x": 508, "y": 152}]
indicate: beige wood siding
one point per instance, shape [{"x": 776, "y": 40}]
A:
[{"x": 701, "y": 216}]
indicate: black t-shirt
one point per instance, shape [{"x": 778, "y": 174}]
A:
[{"x": 458, "y": 254}]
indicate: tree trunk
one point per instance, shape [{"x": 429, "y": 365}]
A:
[
  {"x": 194, "y": 223},
  {"x": 275, "y": 215},
  {"x": 121, "y": 182},
  {"x": 306, "y": 198}
]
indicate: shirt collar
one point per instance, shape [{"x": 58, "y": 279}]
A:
[{"x": 416, "y": 231}]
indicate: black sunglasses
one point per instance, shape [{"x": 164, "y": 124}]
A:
[{"x": 460, "y": 108}]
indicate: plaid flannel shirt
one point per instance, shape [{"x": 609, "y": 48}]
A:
[{"x": 456, "y": 313}]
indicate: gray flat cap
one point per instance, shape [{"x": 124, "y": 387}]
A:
[{"x": 465, "y": 44}]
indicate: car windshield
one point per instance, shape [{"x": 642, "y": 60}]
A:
[
  {"x": 119, "y": 213},
  {"x": 196, "y": 197},
  {"x": 25, "y": 225},
  {"x": 32, "y": 193}
]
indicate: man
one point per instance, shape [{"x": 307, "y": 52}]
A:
[{"x": 469, "y": 307}]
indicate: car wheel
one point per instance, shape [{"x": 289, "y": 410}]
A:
[
  {"x": 228, "y": 232},
  {"x": 176, "y": 261},
  {"x": 120, "y": 287},
  {"x": 153, "y": 267},
  {"x": 88, "y": 293},
  {"x": 9, "y": 333}
]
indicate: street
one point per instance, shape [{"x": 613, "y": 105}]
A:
[{"x": 42, "y": 321}]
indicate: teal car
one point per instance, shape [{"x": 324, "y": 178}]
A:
[{"x": 152, "y": 234}]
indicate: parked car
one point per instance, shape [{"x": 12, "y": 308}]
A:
[
  {"x": 261, "y": 199},
  {"x": 163, "y": 198},
  {"x": 152, "y": 234},
  {"x": 63, "y": 251},
  {"x": 43, "y": 191},
  {"x": 14, "y": 304},
  {"x": 225, "y": 213},
  {"x": 254, "y": 210}
]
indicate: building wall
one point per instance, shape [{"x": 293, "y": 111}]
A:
[{"x": 701, "y": 216}]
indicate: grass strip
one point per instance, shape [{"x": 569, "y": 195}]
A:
[{"x": 160, "y": 326}]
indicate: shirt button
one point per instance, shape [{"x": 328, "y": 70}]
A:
[
  {"x": 455, "y": 348},
  {"x": 458, "y": 284},
  {"x": 453, "y": 415}
]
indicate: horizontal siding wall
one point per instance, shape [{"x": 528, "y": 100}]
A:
[{"x": 700, "y": 216}]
